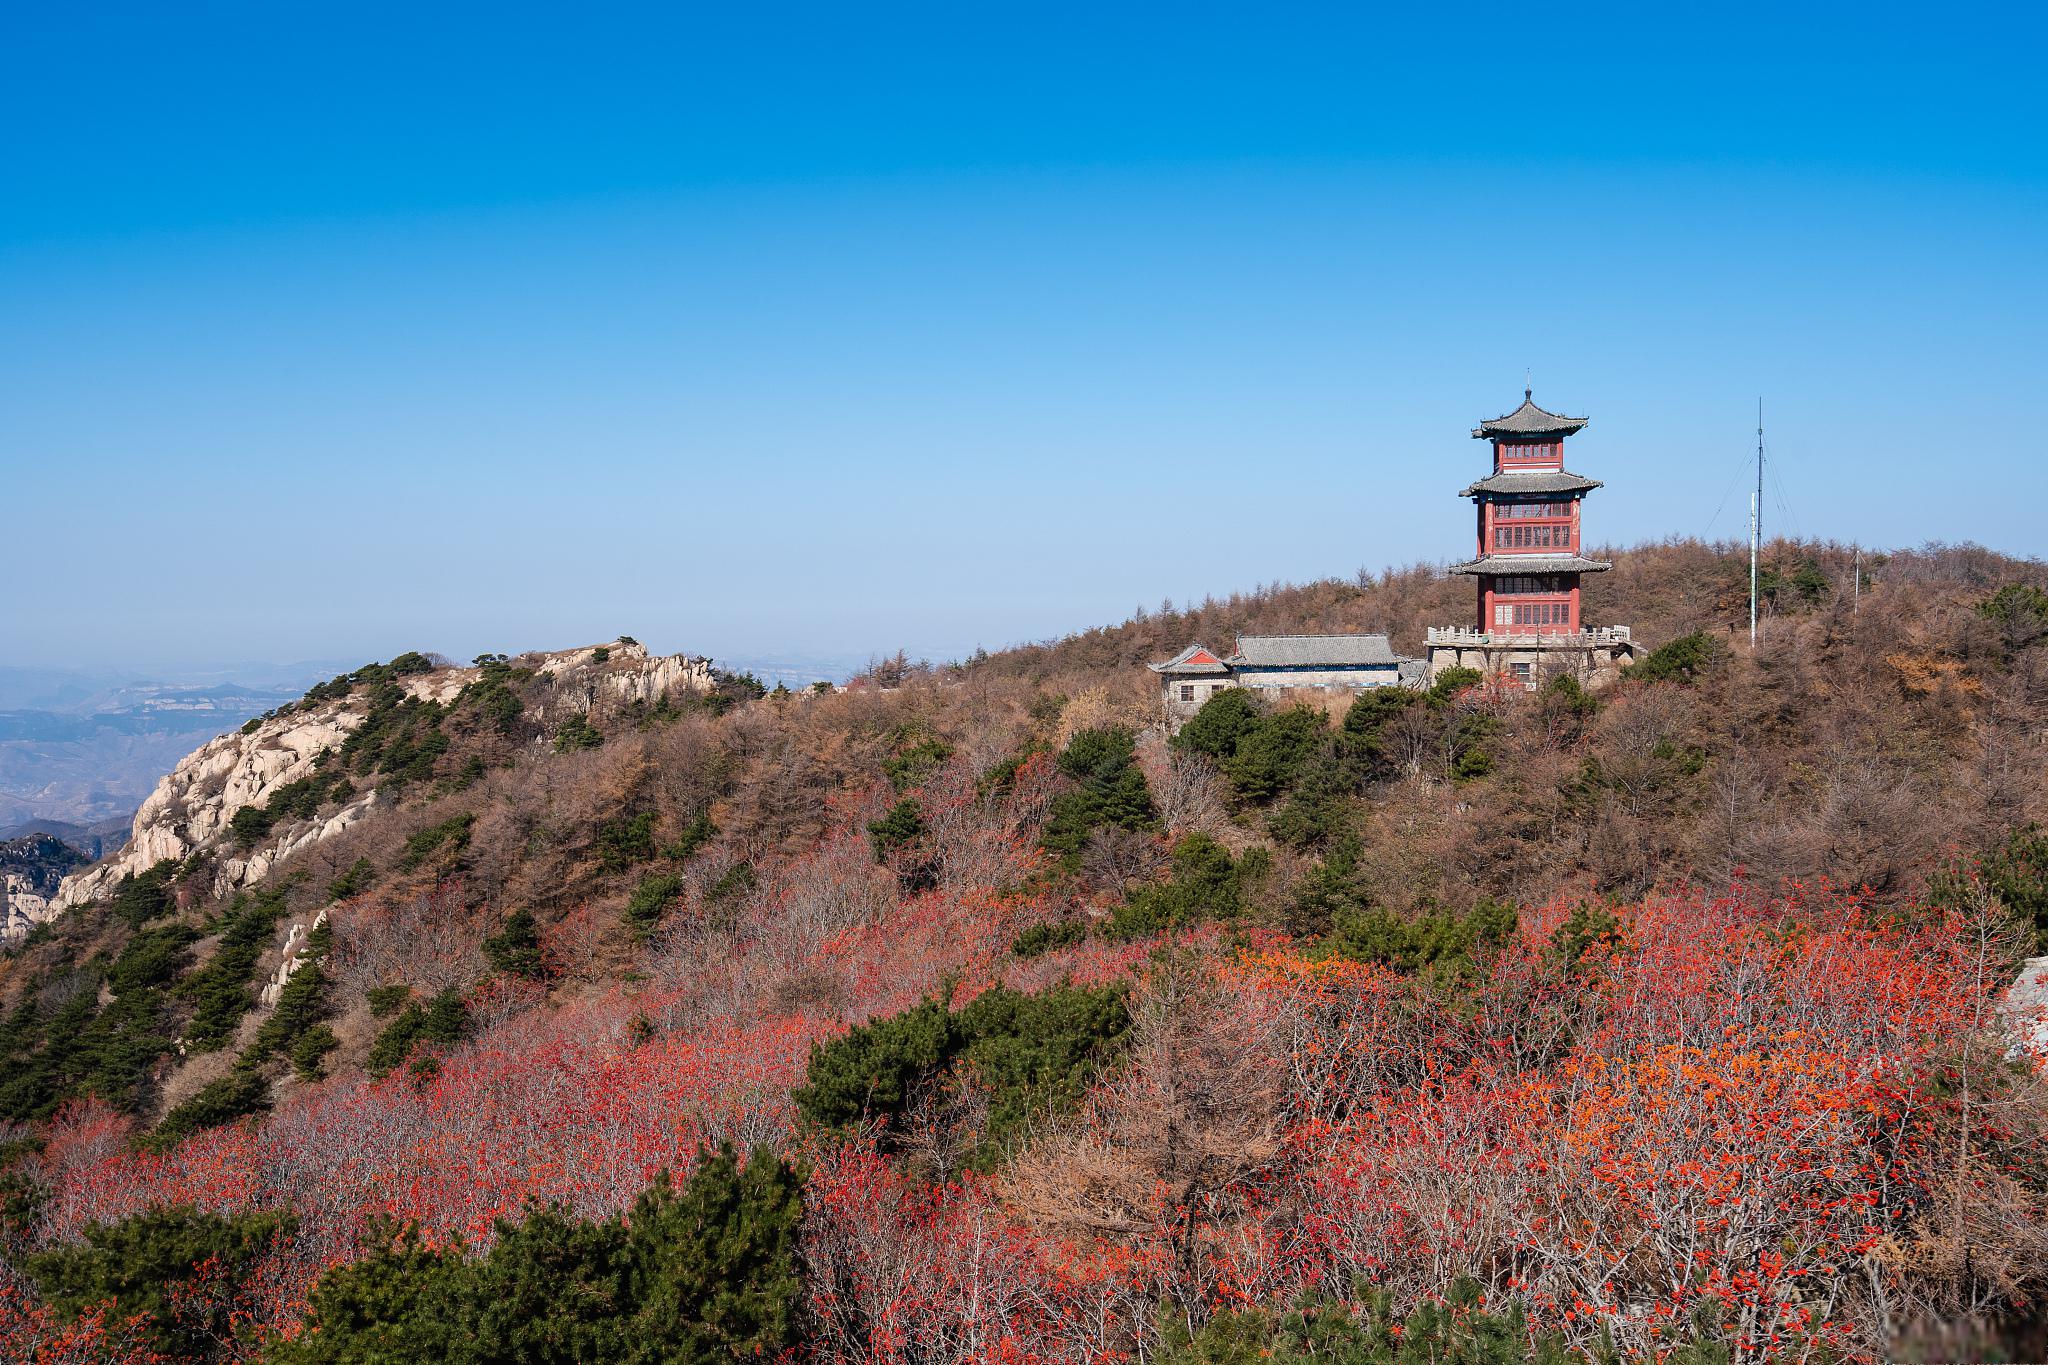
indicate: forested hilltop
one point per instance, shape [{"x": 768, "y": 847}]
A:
[{"x": 962, "y": 1015}]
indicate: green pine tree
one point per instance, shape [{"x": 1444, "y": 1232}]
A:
[{"x": 515, "y": 949}]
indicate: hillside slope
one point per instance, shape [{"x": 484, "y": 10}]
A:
[
  {"x": 975, "y": 942},
  {"x": 275, "y": 760}
]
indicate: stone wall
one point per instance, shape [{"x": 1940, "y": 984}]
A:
[
  {"x": 1595, "y": 661},
  {"x": 1205, "y": 687},
  {"x": 1349, "y": 678}
]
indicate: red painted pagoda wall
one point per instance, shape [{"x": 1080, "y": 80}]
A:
[
  {"x": 1508, "y": 528},
  {"x": 1554, "y": 613}
]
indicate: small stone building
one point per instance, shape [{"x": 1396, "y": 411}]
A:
[
  {"x": 1348, "y": 663},
  {"x": 1189, "y": 679}
]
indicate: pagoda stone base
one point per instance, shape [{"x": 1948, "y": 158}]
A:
[{"x": 1594, "y": 657}]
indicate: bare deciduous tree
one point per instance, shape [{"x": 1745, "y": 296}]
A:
[{"x": 1165, "y": 1149}]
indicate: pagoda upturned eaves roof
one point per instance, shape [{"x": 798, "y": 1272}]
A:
[
  {"x": 1528, "y": 420},
  {"x": 1532, "y": 563},
  {"x": 1531, "y": 481}
]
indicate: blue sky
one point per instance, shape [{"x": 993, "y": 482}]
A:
[{"x": 335, "y": 332}]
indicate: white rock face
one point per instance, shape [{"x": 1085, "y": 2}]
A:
[
  {"x": 250, "y": 870},
  {"x": 2026, "y": 1008},
  {"x": 21, "y": 909},
  {"x": 629, "y": 676},
  {"x": 294, "y": 958},
  {"x": 192, "y": 806}
]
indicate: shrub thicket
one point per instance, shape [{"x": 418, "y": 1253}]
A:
[
  {"x": 443, "y": 1021},
  {"x": 1110, "y": 791},
  {"x": 1205, "y": 883},
  {"x": 1030, "y": 1054},
  {"x": 708, "y": 1272},
  {"x": 515, "y": 948},
  {"x": 177, "y": 1270}
]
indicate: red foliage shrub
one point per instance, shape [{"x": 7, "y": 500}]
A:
[{"x": 1782, "y": 1108}]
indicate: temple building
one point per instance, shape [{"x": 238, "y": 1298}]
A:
[
  {"x": 1528, "y": 565},
  {"x": 1346, "y": 663},
  {"x": 1525, "y": 575}
]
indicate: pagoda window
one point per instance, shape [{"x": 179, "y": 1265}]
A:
[
  {"x": 1187, "y": 691},
  {"x": 1532, "y": 614},
  {"x": 1532, "y": 509},
  {"x": 1532, "y": 537},
  {"x": 1543, "y": 614},
  {"x": 1526, "y": 584}
]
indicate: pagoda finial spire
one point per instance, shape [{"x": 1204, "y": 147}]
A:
[{"x": 1528, "y": 384}]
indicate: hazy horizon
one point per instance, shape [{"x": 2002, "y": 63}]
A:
[{"x": 791, "y": 663}]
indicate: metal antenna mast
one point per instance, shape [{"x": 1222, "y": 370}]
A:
[{"x": 1756, "y": 519}]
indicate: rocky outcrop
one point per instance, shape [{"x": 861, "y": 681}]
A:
[
  {"x": 625, "y": 676},
  {"x": 2026, "y": 1008},
  {"x": 250, "y": 870},
  {"x": 193, "y": 807},
  {"x": 32, "y": 867},
  {"x": 296, "y": 940},
  {"x": 21, "y": 909}
]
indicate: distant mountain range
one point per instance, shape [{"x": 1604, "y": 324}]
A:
[
  {"x": 795, "y": 670},
  {"x": 79, "y": 750},
  {"x": 94, "y": 841}
]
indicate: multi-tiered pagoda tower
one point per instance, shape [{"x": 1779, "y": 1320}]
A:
[{"x": 1529, "y": 563}]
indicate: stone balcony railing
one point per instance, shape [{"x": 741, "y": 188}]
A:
[{"x": 1598, "y": 637}]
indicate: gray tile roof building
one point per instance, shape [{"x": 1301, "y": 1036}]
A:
[
  {"x": 1308, "y": 651},
  {"x": 1283, "y": 663}
]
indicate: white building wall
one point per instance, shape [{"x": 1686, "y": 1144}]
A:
[
  {"x": 1203, "y": 688},
  {"x": 1348, "y": 678}
]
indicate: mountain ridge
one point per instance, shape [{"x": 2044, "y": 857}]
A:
[{"x": 194, "y": 805}]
